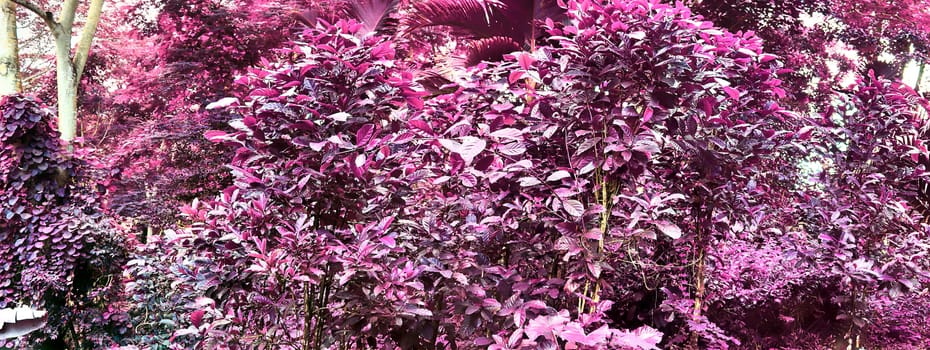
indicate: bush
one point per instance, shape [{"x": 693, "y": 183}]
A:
[
  {"x": 64, "y": 256},
  {"x": 631, "y": 182}
]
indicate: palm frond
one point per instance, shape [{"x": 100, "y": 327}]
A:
[
  {"x": 489, "y": 49},
  {"x": 481, "y": 19},
  {"x": 375, "y": 15},
  {"x": 472, "y": 17},
  {"x": 328, "y": 11}
]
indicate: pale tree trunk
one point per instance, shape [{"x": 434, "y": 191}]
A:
[
  {"x": 67, "y": 88},
  {"x": 65, "y": 77},
  {"x": 87, "y": 37},
  {"x": 920, "y": 76},
  {"x": 68, "y": 68},
  {"x": 10, "y": 82}
]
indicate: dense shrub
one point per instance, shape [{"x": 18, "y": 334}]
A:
[
  {"x": 62, "y": 254},
  {"x": 601, "y": 168},
  {"x": 868, "y": 217},
  {"x": 631, "y": 182},
  {"x": 319, "y": 177}
]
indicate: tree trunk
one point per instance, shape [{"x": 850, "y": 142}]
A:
[
  {"x": 68, "y": 71},
  {"x": 87, "y": 38},
  {"x": 920, "y": 76},
  {"x": 10, "y": 82},
  {"x": 67, "y": 87}
]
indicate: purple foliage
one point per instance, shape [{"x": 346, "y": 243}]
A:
[
  {"x": 61, "y": 255},
  {"x": 634, "y": 177},
  {"x": 307, "y": 224}
]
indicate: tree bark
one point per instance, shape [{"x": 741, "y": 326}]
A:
[
  {"x": 68, "y": 69},
  {"x": 10, "y": 82},
  {"x": 67, "y": 87},
  {"x": 87, "y": 37},
  {"x": 920, "y": 76}
]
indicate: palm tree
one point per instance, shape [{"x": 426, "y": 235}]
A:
[
  {"x": 373, "y": 15},
  {"x": 492, "y": 28}
]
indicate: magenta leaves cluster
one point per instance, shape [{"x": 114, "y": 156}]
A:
[{"x": 631, "y": 181}]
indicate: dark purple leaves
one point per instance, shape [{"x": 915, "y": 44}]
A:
[
  {"x": 51, "y": 230},
  {"x": 523, "y": 204},
  {"x": 363, "y": 135}
]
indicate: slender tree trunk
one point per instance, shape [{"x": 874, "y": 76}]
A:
[
  {"x": 920, "y": 76},
  {"x": 10, "y": 82},
  {"x": 87, "y": 38},
  {"x": 699, "y": 281},
  {"x": 702, "y": 238},
  {"x": 68, "y": 70},
  {"x": 67, "y": 87}
]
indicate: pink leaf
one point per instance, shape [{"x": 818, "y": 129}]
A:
[
  {"x": 669, "y": 229},
  {"x": 383, "y": 51},
  {"x": 340, "y": 116},
  {"x": 450, "y": 145},
  {"x": 197, "y": 317},
  {"x": 508, "y": 133},
  {"x": 223, "y": 103},
  {"x": 647, "y": 115},
  {"x": 805, "y": 132},
  {"x": 388, "y": 241},
  {"x": 470, "y": 147},
  {"x": 529, "y": 181},
  {"x": 733, "y": 93},
  {"x": 421, "y": 125},
  {"x": 644, "y": 337},
  {"x": 573, "y": 332},
  {"x": 747, "y": 52},
  {"x": 363, "y": 134},
  {"x": 767, "y": 57},
  {"x": 214, "y": 135},
  {"x": 512, "y": 149},
  {"x": 573, "y": 207},
  {"x": 525, "y": 60},
  {"x": 546, "y": 326},
  {"x": 265, "y": 92},
  {"x": 415, "y": 310},
  {"x": 558, "y": 175}
]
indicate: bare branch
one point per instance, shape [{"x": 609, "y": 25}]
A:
[
  {"x": 45, "y": 15},
  {"x": 87, "y": 37},
  {"x": 66, "y": 18},
  {"x": 37, "y": 75}
]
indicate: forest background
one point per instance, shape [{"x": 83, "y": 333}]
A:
[{"x": 444, "y": 174}]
